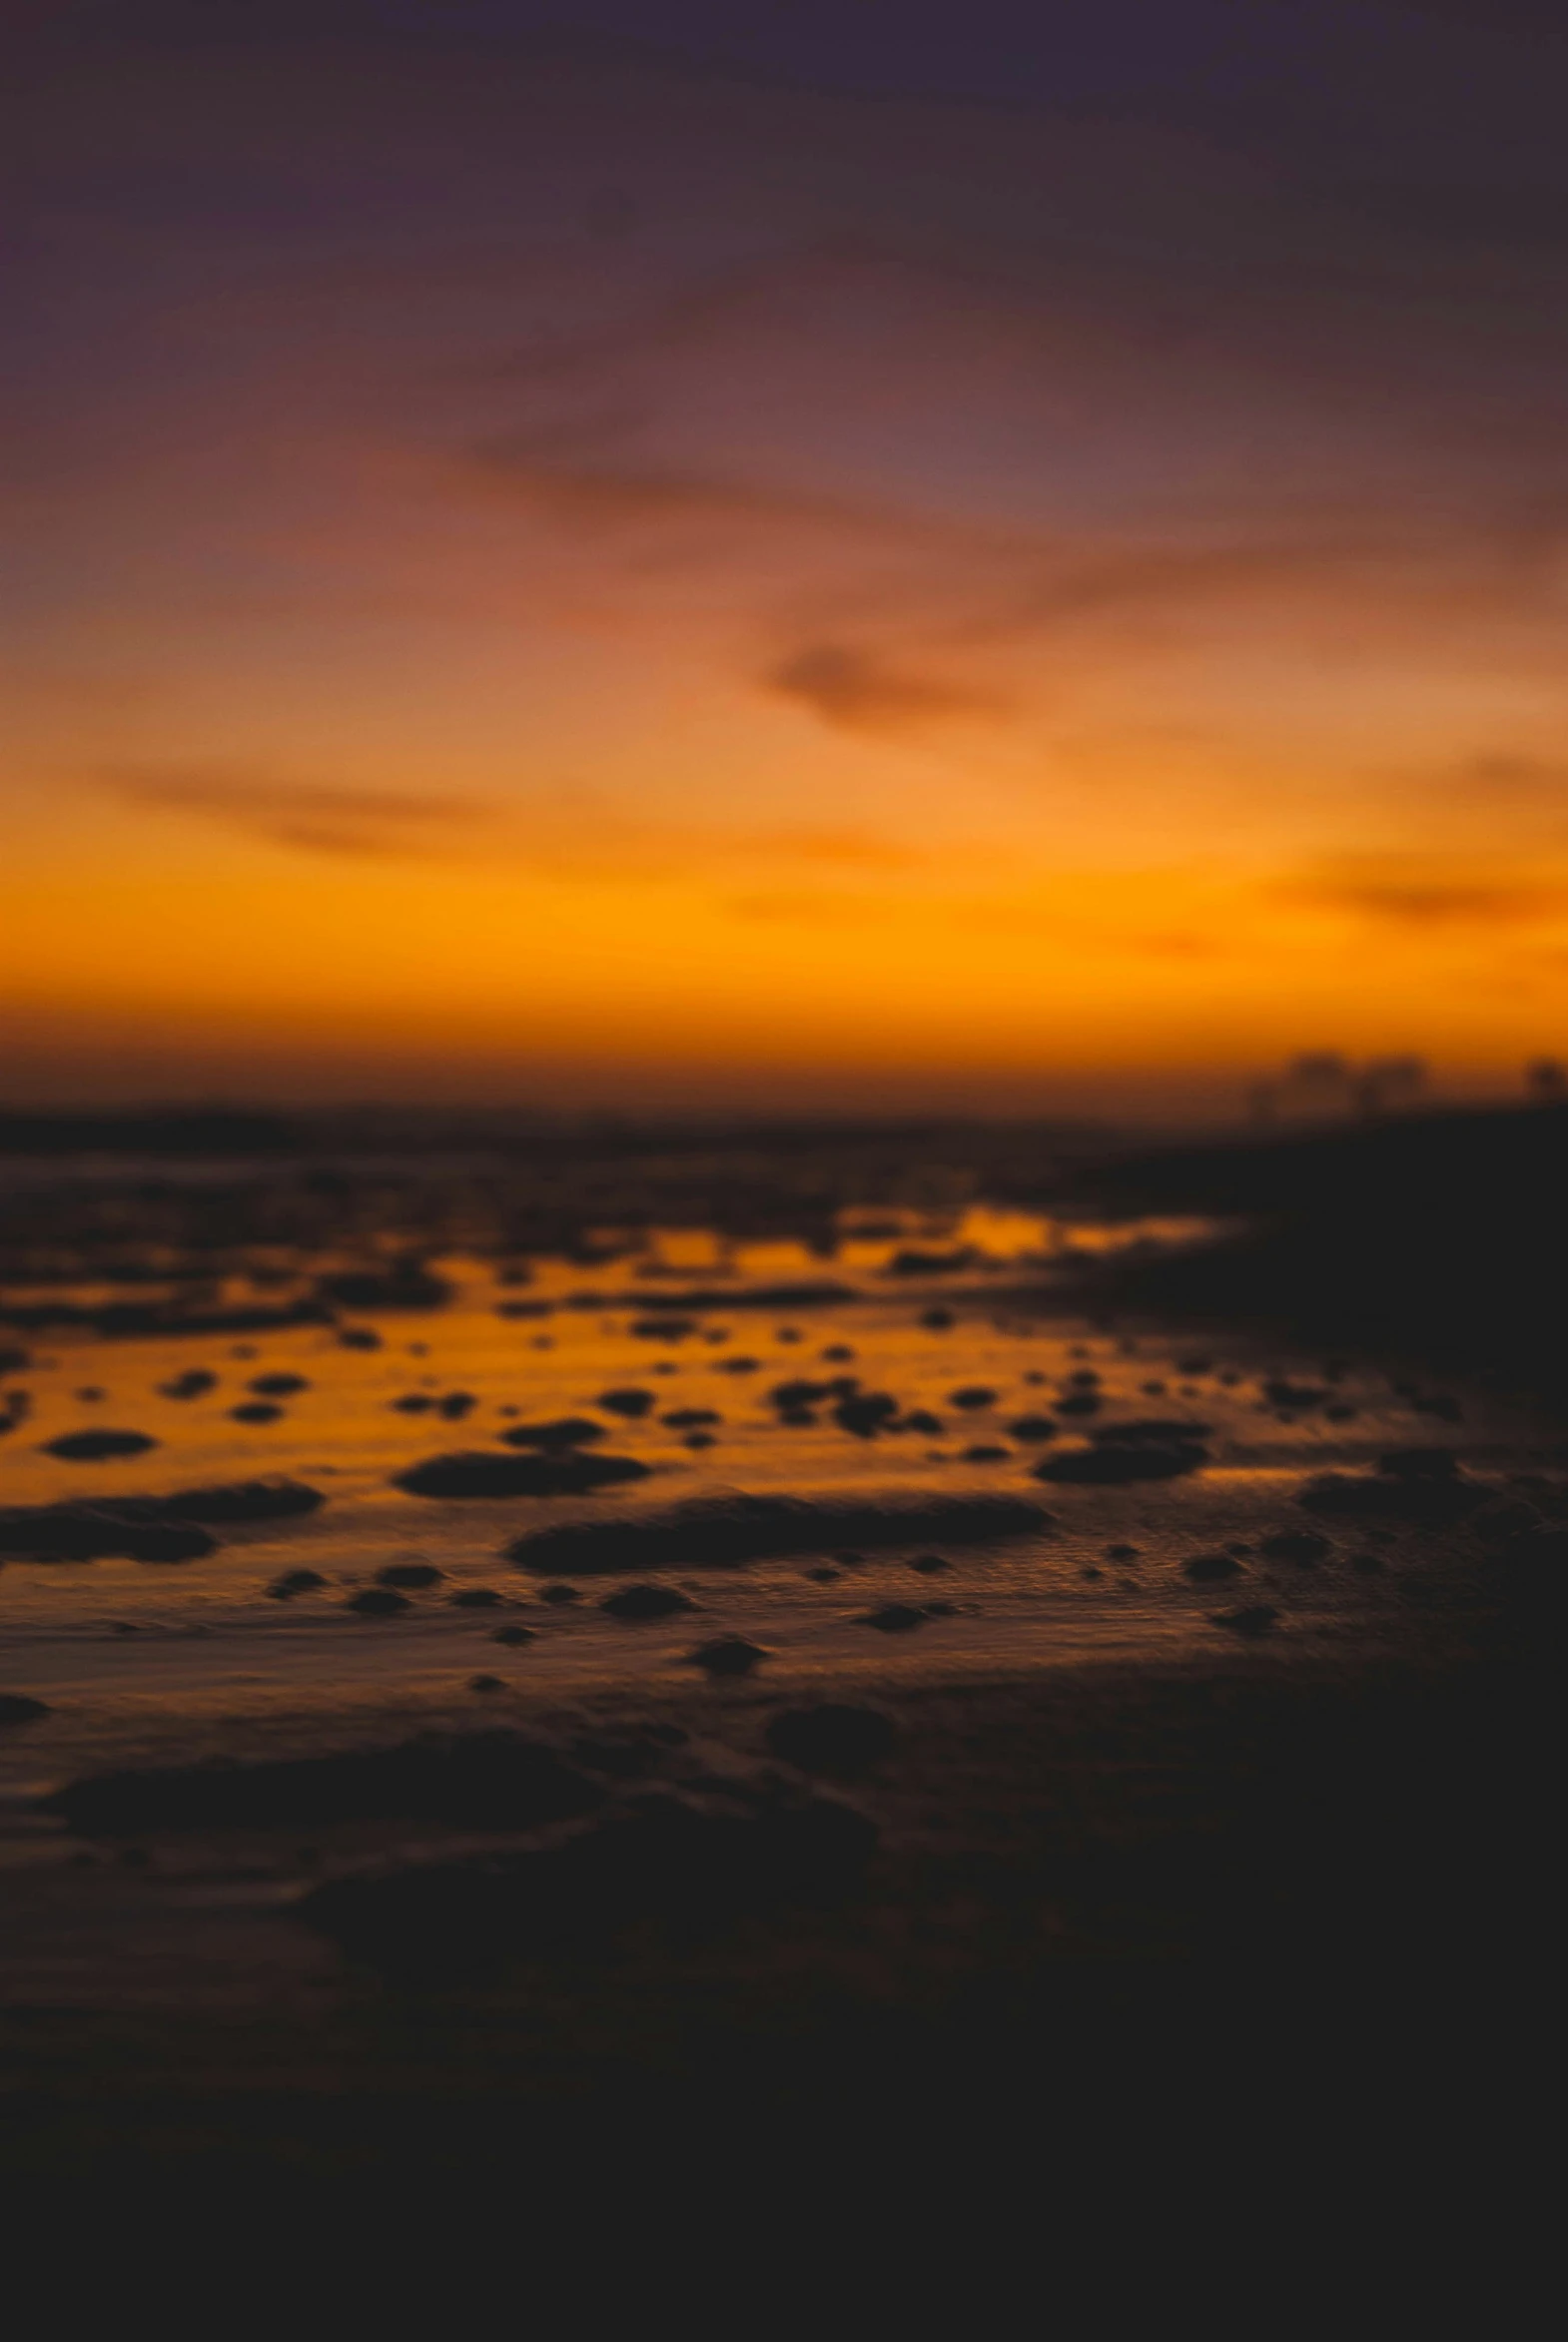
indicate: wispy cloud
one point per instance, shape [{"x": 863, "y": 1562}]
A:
[
  {"x": 942, "y": 589},
  {"x": 314, "y": 817},
  {"x": 567, "y": 834},
  {"x": 607, "y": 494},
  {"x": 1424, "y": 892},
  {"x": 687, "y": 316}
]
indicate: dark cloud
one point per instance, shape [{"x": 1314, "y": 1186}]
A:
[{"x": 855, "y": 690}]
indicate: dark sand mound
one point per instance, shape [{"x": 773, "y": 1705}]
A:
[
  {"x": 896, "y": 1618},
  {"x": 912, "y": 1261},
  {"x": 482, "y": 1780},
  {"x": 1146, "y": 1431},
  {"x": 832, "y": 1737},
  {"x": 156, "y": 1321},
  {"x": 16, "y": 1707},
  {"x": 477, "y": 1473},
  {"x": 801, "y": 1391},
  {"x": 410, "y": 1286},
  {"x": 296, "y": 1581},
  {"x": 818, "y": 1295},
  {"x": 1116, "y": 1463},
  {"x": 453, "y": 1405},
  {"x": 638, "y": 1602},
  {"x": 727, "y": 1655},
  {"x": 1435, "y": 1502},
  {"x": 630, "y": 1402},
  {"x": 1301, "y": 1546},
  {"x": 271, "y": 1500},
  {"x": 686, "y": 1869},
  {"x": 728, "y": 1532},
  {"x": 1258, "y": 1619},
  {"x": 95, "y": 1447},
  {"x": 1421, "y": 1463},
  {"x": 1203, "y": 1567},
  {"x": 101, "y": 1532},
  {"x": 1297, "y": 1398},
  {"x": 865, "y": 1413},
  {"x": 555, "y": 1438},
  {"x": 148, "y": 1529}
]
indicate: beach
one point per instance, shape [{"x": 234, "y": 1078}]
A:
[{"x": 740, "y": 1661}]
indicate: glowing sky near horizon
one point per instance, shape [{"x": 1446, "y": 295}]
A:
[{"x": 589, "y": 571}]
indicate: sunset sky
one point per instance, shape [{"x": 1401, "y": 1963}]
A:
[{"x": 850, "y": 555}]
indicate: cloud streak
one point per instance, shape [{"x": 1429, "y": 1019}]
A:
[
  {"x": 859, "y": 692},
  {"x": 566, "y": 834},
  {"x": 314, "y": 817},
  {"x": 604, "y": 497},
  {"x": 950, "y": 586},
  {"x": 1419, "y": 893}
]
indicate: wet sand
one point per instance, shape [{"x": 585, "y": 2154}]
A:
[{"x": 1203, "y": 1680}]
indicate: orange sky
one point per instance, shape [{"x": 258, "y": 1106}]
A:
[{"x": 590, "y": 580}]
